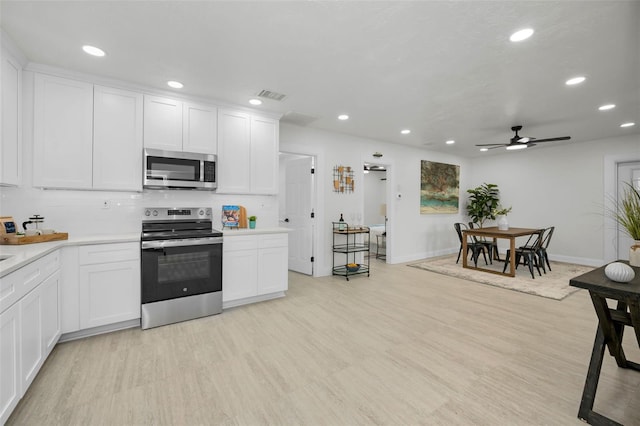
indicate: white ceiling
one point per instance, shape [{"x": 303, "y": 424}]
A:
[{"x": 445, "y": 70}]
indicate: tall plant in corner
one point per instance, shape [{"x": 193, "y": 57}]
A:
[
  {"x": 483, "y": 202},
  {"x": 627, "y": 212}
]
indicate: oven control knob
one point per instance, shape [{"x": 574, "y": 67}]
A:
[
  {"x": 208, "y": 211},
  {"x": 201, "y": 212},
  {"x": 155, "y": 212},
  {"x": 147, "y": 212},
  {"x": 184, "y": 289}
]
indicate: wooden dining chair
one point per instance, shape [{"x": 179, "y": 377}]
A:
[{"x": 472, "y": 246}]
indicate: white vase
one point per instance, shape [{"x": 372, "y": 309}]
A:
[
  {"x": 503, "y": 224},
  {"x": 634, "y": 254}
]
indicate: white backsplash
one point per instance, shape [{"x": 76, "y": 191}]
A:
[{"x": 81, "y": 213}]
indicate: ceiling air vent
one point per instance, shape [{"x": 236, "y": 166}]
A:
[{"x": 268, "y": 94}]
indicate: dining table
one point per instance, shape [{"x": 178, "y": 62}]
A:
[
  {"x": 494, "y": 232},
  {"x": 611, "y": 325}
]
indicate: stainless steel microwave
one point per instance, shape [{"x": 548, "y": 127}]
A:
[{"x": 179, "y": 170}]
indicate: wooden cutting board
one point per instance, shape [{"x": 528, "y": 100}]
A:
[
  {"x": 15, "y": 240},
  {"x": 242, "y": 223}
]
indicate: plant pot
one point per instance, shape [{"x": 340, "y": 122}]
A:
[
  {"x": 503, "y": 224},
  {"x": 634, "y": 254},
  {"x": 252, "y": 224}
]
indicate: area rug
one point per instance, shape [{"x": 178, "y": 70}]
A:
[{"x": 553, "y": 285}]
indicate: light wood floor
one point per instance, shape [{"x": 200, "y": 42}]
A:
[{"x": 403, "y": 347}]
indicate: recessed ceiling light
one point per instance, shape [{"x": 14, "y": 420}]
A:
[
  {"x": 521, "y": 35},
  {"x": 450, "y": 142},
  {"x": 93, "y": 51},
  {"x": 606, "y": 107},
  {"x": 627, "y": 124},
  {"x": 405, "y": 131},
  {"x": 519, "y": 146},
  {"x": 484, "y": 149},
  {"x": 175, "y": 84},
  {"x": 255, "y": 101},
  {"x": 575, "y": 80},
  {"x": 343, "y": 117}
]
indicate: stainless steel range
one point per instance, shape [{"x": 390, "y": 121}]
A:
[{"x": 181, "y": 265}]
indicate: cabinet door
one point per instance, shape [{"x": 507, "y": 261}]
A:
[
  {"x": 31, "y": 349},
  {"x": 239, "y": 274},
  {"x": 200, "y": 125},
  {"x": 10, "y": 390},
  {"x": 162, "y": 123},
  {"x": 109, "y": 293},
  {"x": 234, "y": 152},
  {"x": 63, "y": 133},
  {"x": 264, "y": 155},
  {"x": 11, "y": 149},
  {"x": 51, "y": 330},
  {"x": 117, "y": 139},
  {"x": 272, "y": 270}
]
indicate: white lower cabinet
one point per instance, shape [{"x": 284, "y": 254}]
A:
[
  {"x": 254, "y": 267},
  {"x": 10, "y": 388},
  {"x": 29, "y": 326},
  {"x": 109, "y": 284}
]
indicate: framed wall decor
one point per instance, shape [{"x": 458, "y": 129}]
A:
[
  {"x": 343, "y": 179},
  {"x": 439, "y": 187}
]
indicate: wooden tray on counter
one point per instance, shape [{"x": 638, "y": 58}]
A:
[{"x": 15, "y": 240}]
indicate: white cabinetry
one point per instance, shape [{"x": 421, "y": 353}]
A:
[
  {"x": 247, "y": 153},
  {"x": 63, "y": 131},
  {"x": 117, "y": 139},
  {"x": 86, "y": 137},
  {"x": 174, "y": 125},
  {"x": 29, "y": 326},
  {"x": 10, "y": 388},
  {"x": 254, "y": 268},
  {"x": 109, "y": 281},
  {"x": 11, "y": 121}
]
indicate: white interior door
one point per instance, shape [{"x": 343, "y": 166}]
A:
[
  {"x": 298, "y": 211},
  {"x": 627, "y": 173}
]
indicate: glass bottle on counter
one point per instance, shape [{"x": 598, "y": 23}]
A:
[{"x": 341, "y": 226}]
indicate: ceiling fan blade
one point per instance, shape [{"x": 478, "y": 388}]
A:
[{"x": 560, "y": 138}]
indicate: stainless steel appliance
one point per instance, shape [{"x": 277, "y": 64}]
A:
[
  {"x": 179, "y": 170},
  {"x": 181, "y": 265}
]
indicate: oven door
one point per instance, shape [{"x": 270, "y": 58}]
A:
[{"x": 178, "y": 268}]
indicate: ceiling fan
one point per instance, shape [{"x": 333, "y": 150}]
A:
[{"x": 518, "y": 142}]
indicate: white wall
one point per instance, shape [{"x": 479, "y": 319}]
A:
[
  {"x": 560, "y": 186},
  {"x": 411, "y": 236},
  {"x": 375, "y": 190}
]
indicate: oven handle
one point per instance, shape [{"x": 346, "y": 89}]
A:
[{"x": 187, "y": 242}]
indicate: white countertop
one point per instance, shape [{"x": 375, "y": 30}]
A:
[
  {"x": 230, "y": 232},
  {"x": 23, "y": 254}
]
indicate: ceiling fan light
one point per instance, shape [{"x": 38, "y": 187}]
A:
[
  {"x": 521, "y": 35},
  {"x": 524, "y": 140},
  {"x": 516, "y": 146},
  {"x": 606, "y": 107},
  {"x": 484, "y": 149},
  {"x": 627, "y": 124},
  {"x": 575, "y": 80}
]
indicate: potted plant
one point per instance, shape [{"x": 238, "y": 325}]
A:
[
  {"x": 501, "y": 214},
  {"x": 483, "y": 202},
  {"x": 627, "y": 214},
  {"x": 252, "y": 222}
]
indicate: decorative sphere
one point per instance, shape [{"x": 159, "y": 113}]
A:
[{"x": 619, "y": 272}]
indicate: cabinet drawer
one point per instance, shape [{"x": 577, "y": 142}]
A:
[
  {"x": 243, "y": 242},
  {"x": 107, "y": 253},
  {"x": 273, "y": 240},
  {"x": 15, "y": 285}
]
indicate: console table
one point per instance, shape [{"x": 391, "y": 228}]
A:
[{"x": 611, "y": 324}]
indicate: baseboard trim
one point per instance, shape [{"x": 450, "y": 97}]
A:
[{"x": 94, "y": 331}]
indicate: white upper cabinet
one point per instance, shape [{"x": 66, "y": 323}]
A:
[
  {"x": 234, "y": 152},
  {"x": 162, "y": 123},
  {"x": 264, "y": 155},
  {"x": 11, "y": 146},
  {"x": 199, "y": 125},
  {"x": 117, "y": 140},
  {"x": 247, "y": 153},
  {"x": 63, "y": 132},
  {"x": 173, "y": 125}
]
